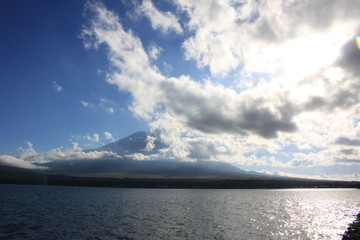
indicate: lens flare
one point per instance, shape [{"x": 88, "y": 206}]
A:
[{"x": 358, "y": 41}]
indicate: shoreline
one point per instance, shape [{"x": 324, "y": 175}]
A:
[
  {"x": 176, "y": 183},
  {"x": 353, "y": 231}
]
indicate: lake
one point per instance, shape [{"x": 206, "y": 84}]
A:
[{"x": 57, "y": 212}]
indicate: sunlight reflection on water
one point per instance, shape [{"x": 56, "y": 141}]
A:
[
  {"x": 45, "y": 212},
  {"x": 317, "y": 213}
]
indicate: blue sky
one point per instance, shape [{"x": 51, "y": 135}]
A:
[
  {"x": 271, "y": 86},
  {"x": 41, "y": 46}
]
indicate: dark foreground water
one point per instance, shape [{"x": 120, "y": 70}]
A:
[{"x": 51, "y": 212}]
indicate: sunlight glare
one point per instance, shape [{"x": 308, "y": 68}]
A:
[{"x": 306, "y": 55}]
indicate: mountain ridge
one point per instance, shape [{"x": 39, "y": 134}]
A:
[{"x": 137, "y": 143}]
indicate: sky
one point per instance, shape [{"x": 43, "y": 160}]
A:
[{"x": 270, "y": 86}]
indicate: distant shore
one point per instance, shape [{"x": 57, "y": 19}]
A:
[
  {"x": 353, "y": 231},
  {"x": 10, "y": 175},
  {"x": 174, "y": 183}
]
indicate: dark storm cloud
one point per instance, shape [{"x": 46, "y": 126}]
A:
[
  {"x": 350, "y": 56},
  {"x": 345, "y": 98},
  {"x": 347, "y": 141},
  {"x": 215, "y": 114},
  {"x": 341, "y": 99},
  {"x": 347, "y": 94},
  {"x": 265, "y": 123},
  {"x": 259, "y": 121}
]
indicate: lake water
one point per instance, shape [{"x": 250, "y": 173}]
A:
[{"x": 55, "y": 212}]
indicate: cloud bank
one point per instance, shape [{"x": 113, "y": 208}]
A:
[{"x": 29, "y": 158}]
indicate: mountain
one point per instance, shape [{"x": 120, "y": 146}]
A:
[
  {"x": 160, "y": 168},
  {"x": 135, "y": 143},
  {"x": 127, "y": 167}
]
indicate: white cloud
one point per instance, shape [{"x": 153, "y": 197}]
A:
[
  {"x": 139, "y": 157},
  {"x": 108, "y": 136},
  {"x": 28, "y": 156},
  {"x": 56, "y": 86},
  {"x": 6, "y": 160},
  {"x": 261, "y": 34},
  {"x": 76, "y": 146},
  {"x": 107, "y": 105},
  {"x": 154, "y": 51},
  {"x": 150, "y": 143},
  {"x": 103, "y": 104},
  {"x": 25, "y": 152},
  {"x": 61, "y": 154},
  {"x": 127, "y": 54},
  {"x": 91, "y": 141},
  {"x": 215, "y": 42},
  {"x": 85, "y": 104},
  {"x": 110, "y": 110},
  {"x": 165, "y": 22},
  {"x": 93, "y": 138}
]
